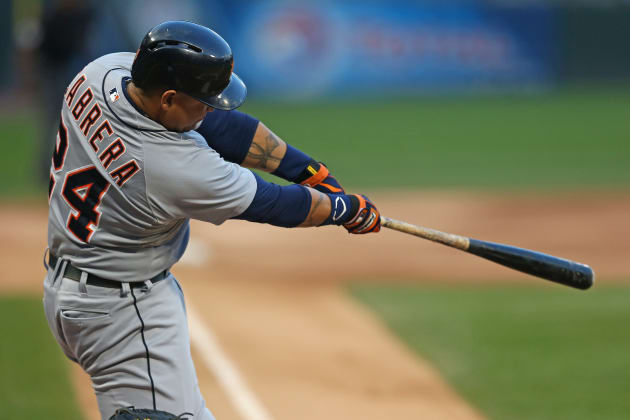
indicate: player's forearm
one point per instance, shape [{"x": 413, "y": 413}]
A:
[
  {"x": 287, "y": 206},
  {"x": 266, "y": 150},
  {"x": 320, "y": 209},
  {"x": 299, "y": 206},
  {"x": 269, "y": 153},
  {"x": 355, "y": 212}
]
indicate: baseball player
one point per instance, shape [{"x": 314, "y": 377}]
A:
[{"x": 146, "y": 143}]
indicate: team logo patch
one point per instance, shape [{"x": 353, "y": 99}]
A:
[{"x": 113, "y": 95}]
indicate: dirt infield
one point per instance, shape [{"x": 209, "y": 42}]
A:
[{"x": 275, "y": 298}]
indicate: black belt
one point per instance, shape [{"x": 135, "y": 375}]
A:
[{"x": 73, "y": 273}]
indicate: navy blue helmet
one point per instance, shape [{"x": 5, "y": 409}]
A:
[{"x": 192, "y": 59}]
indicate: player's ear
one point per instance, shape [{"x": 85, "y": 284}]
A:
[{"x": 167, "y": 99}]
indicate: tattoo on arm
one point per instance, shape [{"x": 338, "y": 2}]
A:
[
  {"x": 264, "y": 155},
  {"x": 310, "y": 220}
]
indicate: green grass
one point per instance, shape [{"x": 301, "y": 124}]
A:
[
  {"x": 570, "y": 139},
  {"x": 34, "y": 382},
  {"x": 567, "y": 139},
  {"x": 519, "y": 352}
]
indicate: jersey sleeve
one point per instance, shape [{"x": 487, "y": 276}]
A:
[
  {"x": 189, "y": 181},
  {"x": 230, "y": 133}
]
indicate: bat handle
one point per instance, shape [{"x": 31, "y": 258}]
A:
[{"x": 449, "y": 239}]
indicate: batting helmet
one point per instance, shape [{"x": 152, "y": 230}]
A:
[{"x": 191, "y": 59}]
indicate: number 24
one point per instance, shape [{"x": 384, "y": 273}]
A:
[{"x": 83, "y": 189}]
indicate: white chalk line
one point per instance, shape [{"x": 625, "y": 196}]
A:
[{"x": 228, "y": 376}]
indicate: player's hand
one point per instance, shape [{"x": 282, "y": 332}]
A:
[
  {"x": 319, "y": 178},
  {"x": 366, "y": 217}
]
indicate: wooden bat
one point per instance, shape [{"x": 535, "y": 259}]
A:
[{"x": 541, "y": 265}]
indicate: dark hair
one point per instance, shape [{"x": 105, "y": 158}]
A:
[{"x": 153, "y": 82}]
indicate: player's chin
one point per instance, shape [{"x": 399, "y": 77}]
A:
[{"x": 188, "y": 127}]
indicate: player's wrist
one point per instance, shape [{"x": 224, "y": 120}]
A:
[
  {"x": 356, "y": 213},
  {"x": 292, "y": 165},
  {"x": 343, "y": 208},
  {"x": 300, "y": 168},
  {"x": 316, "y": 175}
]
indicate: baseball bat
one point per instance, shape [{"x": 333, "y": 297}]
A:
[{"x": 559, "y": 270}]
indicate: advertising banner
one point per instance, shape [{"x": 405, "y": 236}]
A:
[{"x": 295, "y": 49}]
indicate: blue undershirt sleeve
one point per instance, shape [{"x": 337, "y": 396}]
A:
[
  {"x": 292, "y": 164},
  {"x": 285, "y": 206},
  {"x": 230, "y": 133}
]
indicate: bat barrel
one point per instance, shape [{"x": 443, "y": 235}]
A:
[
  {"x": 555, "y": 269},
  {"x": 548, "y": 267}
]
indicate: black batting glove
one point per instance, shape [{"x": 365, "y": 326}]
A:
[{"x": 366, "y": 218}]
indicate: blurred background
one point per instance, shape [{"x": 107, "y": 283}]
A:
[
  {"x": 426, "y": 70},
  {"x": 510, "y": 98}
]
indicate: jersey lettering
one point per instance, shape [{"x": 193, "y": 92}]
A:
[
  {"x": 125, "y": 172},
  {"x": 82, "y": 103},
  {"x": 61, "y": 149},
  {"x": 90, "y": 119},
  {"x": 73, "y": 90},
  {"x": 113, "y": 152},
  {"x": 98, "y": 134},
  {"x": 83, "y": 190}
]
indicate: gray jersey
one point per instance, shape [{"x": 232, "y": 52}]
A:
[{"x": 123, "y": 188}]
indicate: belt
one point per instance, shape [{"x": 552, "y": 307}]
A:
[{"x": 73, "y": 273}]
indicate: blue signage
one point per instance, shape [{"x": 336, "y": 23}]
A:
[{"x": 295, "y": 49}]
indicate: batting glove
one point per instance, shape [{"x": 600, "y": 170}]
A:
[
  {"x": 317, "y": 176},
  {"x": 365, "y": 217}
]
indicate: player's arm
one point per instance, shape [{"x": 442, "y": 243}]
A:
[
  {"x": 242, "y": 139},
  {"x": 299, "y": 206},
  {"x": 195, "y": 182},
  {"x": 270, "y": 153}
]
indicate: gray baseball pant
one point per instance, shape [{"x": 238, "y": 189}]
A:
[{"x": 133, "y": 342}]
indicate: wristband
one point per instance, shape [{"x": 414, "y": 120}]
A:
[
  {"x": 342, "y": 208},
  {"x": 292, "y": 164},
  {"x": 313, "y": 174}
]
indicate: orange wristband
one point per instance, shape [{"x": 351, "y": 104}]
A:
[{"x": 317, "y": 176}]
